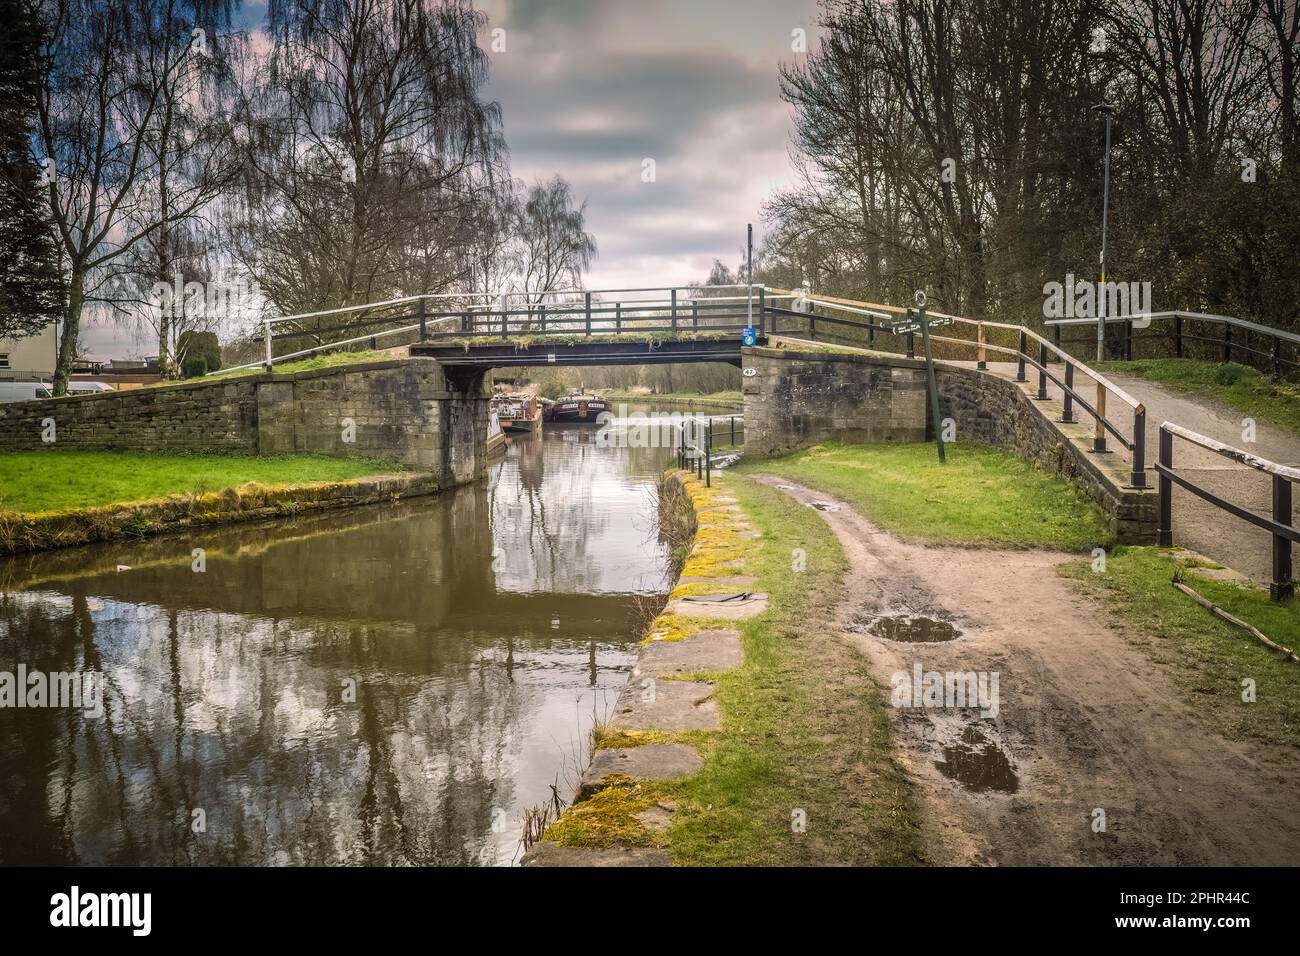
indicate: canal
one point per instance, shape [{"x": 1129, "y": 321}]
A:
[{"x": 384, "y": 685}]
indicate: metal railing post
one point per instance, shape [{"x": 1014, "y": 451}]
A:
[
  {"x": 911, "y": 345},
  {"x": 1164, "y": 527},
  {"x": 1277, "y": 357},
  {"x": 588, "y": 301},
  {"x": 1128, "y": 340},
  {"x": 1042, "y": 371},
  {"x": 1178, "y": 336},
  {"x": 674, "y": 307},
  {"x": 618, "y": 317},
  {"x": 762, "y": 310},
  {"x": 1020, "y": 368},
  {"x": 708, "y": 456},
  {"x": 266, "y": 329},
  {"x": 982, "y": 361},
  {"x": 695, "y": 313},
  {"x": 1138, "y": 472},
  {"x": 1227, "y": 343},
  {"x": 1067, "y": 417},
  {"x": 812, "y": 323},
  {"x": 1282, "y": 587},
  {"x": 541, "y": 314},
  {"x": 1099, "y": 431},
  {"x": 733, "y": 430},
  {"x": 424, "y": 327}
]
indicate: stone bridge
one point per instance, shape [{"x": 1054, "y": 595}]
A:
[{"x": 433, "y": 416}]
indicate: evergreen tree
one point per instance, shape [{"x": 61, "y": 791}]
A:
[{"x": 31, "y": 282}]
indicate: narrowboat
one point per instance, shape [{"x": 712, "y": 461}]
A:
[
  {"x": 581, "y": 408},
  {"x": 519, "y": 412}
]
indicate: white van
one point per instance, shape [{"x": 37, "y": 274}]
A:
[
  {"x": 23, "y": 391},
  {"x": 87, "y": 388}
]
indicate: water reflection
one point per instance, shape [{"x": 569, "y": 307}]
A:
[{"x": 377, "y": 686}]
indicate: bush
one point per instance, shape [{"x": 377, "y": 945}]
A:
[{"x": 194, "y": 366}]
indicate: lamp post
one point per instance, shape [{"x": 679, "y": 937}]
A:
[{"x": 1106, "y": 110}]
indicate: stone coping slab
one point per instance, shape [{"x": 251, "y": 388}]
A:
[
  {"x": 701, "y": 653},
  {"x": 647, "y": 762},
  {"x": 649, "y": 703}
]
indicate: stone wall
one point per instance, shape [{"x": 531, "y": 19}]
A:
[
  {"x": 796, "y": 399},
  {"x": 997, "y": 411},
  {"x": 403, "y": 409},
  {"x": 197, "y": 416}
]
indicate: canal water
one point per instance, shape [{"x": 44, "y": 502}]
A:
[{"x": 391, "y": 684}]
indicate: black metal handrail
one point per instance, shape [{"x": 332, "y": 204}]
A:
[
  {"x": 1279, "y": 526},
  {"x": 1273, "y": 359},
  {"x": 695, "y": 442}
]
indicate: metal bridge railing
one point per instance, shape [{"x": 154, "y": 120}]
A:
[
  {"x": 445, "y": 316},
  {"x": 1279, "y": 525}
]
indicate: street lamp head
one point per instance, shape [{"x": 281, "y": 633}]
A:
[{"x": 1104, "y": 108}]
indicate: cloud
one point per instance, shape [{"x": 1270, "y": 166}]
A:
[{"x": 589, "y": 90}]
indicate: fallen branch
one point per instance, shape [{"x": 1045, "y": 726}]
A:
[{"x": 1238, "y": 622}]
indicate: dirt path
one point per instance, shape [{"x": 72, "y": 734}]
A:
[{"x": 1085, "y": 720}]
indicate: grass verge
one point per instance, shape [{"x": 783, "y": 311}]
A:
[
  {"x": 327, "y": 360},
  {"x": 35, "y": 482},
  {"x": 804, "y": 725},
  {"x": 711, "y": 399},
  {"x": 1208, "y": 657},
  {"x": 982, "y": 496},
  {"x": 1237, "y": 386}
]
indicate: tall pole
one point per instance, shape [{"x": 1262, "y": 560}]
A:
[
  {"x": 935, "y": 413},
  {"x": 749, "y": 276},
  {"x": 1107, "y": 111}
]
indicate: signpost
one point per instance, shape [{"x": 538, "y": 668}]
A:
[{"x": 929, "y": 371}]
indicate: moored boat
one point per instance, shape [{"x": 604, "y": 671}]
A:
[
  {"x": 519, "y": 411},
  {"x": 583, "y": 408}
]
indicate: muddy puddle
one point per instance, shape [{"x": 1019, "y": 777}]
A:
[
  {"x": 912, "y": 629},
  {"x": 978, "y": 764}
]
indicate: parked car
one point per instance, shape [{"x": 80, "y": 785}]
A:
[
  {"x": 83, "y": 388},
  {"x": 23, "y": 391}
]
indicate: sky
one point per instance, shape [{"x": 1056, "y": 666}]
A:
[{"x": 591, "y": 89}]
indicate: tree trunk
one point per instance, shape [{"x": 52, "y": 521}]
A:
[{"x": 71, "y": 331}]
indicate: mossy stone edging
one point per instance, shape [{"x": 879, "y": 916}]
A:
[{"x": 248, "y": 502}]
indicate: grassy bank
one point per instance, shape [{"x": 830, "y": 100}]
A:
[
  {"x": 327, "y": 360},
  {"x": 719, "y": 399},
  {"x": 1237, "y": 386},
  {"x": 804, "y": 725},
  {"x": 1208, "y": 657},
  {"x": 981, "y": 496},
  {"x": 63, "y": 480}
]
